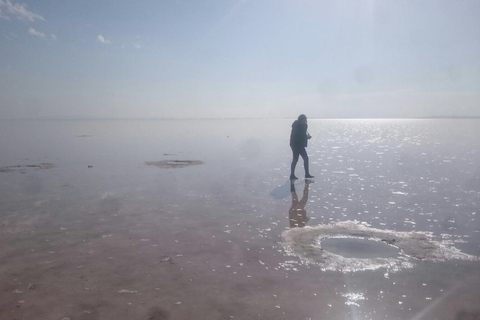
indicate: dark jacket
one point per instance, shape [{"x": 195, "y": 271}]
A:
[{"x": 298, "y": 137}]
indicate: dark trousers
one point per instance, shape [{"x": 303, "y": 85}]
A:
[{"x": 296, "y": 153}]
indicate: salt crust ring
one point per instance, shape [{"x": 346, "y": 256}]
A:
[{"x": 305, "y": 244}]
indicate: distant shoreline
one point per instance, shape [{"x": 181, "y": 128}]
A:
[
  {"x": 164, "y": 119},
  {"x": 451, "y": 117}
]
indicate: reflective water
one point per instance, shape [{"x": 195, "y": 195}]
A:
[
  {"x": 358, "y": 248},
  {"x": 103, "y": 234}
]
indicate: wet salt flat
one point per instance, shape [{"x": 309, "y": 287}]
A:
[{"x": 179, "y": 219}]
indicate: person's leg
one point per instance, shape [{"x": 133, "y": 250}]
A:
[
  {"x": 304, "y": 155},
  {"x": 296, "y": 154}
]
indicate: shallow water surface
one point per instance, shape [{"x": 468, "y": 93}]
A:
[
  {"x": 101, "y": 234},
  {"x": 358, "y": 248}
]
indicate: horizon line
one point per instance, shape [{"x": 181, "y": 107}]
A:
[{"x": 242, "y": 118}]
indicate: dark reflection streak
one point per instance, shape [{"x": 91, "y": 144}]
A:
[{"x": 297, "y": 215}]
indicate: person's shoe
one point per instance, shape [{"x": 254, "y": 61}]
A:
[
  {"x": 309, "y": 176},
  {"x": 292, "y": 177}
]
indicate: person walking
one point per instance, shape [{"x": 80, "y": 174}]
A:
[{"x": 298, "y": 142}]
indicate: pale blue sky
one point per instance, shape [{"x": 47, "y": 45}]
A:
[{"x": 155, "y": 59}]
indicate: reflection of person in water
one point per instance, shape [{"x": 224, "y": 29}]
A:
[
  {"x": 298, "y": 142},
  {"x": 297, "y": 213}
]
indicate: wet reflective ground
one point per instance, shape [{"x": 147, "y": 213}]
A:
[{"x": 104, "y": 235}]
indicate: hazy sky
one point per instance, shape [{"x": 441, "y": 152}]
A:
[{"x": 230, "y": 58}]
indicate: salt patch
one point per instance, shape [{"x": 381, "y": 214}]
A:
[
  {"x": 126, "y": 291},
  {"x": 305, "y": 243}
]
